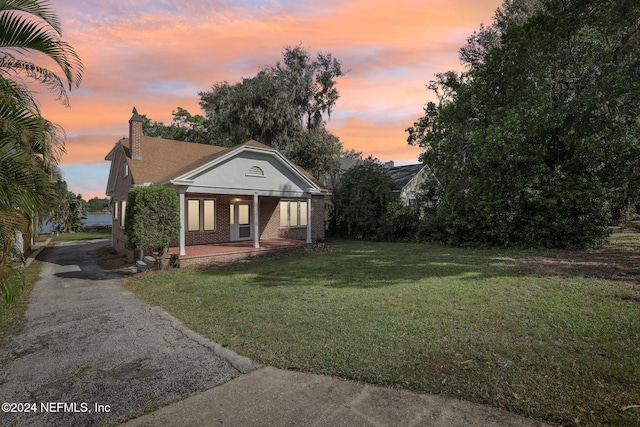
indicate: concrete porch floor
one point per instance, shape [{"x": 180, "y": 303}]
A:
[{"x": 221, "y": 253}]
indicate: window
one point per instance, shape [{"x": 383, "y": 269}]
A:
[
  {"x": 116, "y": 210},
  {"x": 123, "y": 206},
  {"x": 126, "y": 169},
  {"x": 293, "y": 213},
  {"x": 193, "y": 215},
  {"x": 201, "y": 215},
  {"x": 209, "y": 214}
]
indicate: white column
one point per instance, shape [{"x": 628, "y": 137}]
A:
[
  {"x": 256, "y": 224},
  {"x": 309, "y": 238},
  {"x": 182, "y": 221}
]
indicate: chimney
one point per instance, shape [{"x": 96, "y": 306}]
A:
[{"x": 135, "y": 135}]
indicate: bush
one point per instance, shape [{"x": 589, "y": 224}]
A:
[
  {"x": 367, "y": 207},
  {"x": 152, "y": 220}
]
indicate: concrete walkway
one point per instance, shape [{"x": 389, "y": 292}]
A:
[
  {"x": 90, "y": 353},
  {"x": 273, "y": 397}
]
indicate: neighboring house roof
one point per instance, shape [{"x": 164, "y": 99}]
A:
[
  {"x": 165, "y": 160},
  {"x": 402, "y": 175}
]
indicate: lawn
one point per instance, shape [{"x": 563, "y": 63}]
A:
[
  {"x": 104, "y": 233},
  {"x": 481, "y": 325}
]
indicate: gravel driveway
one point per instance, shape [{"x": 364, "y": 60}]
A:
[{"x": 89, "y": 352}]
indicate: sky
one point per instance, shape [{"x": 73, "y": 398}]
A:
[{"x": 157, "y": 55}]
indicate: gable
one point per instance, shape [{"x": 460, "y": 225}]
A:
[
  {"x": 249, "y": 170},
  {"x": 117, "y": 178}
]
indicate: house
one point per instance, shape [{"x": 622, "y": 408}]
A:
[
  {"x": 408, "y": 180},
  {"x": 247, "y": 193}
]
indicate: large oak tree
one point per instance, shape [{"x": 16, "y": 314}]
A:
[{"x": 530, "y": 143}]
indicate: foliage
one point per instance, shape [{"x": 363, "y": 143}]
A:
[
  {"x": 400, "y": 223},
  {"x": 184, "y": 127},
  {"x": 96, "y": 205},
  {"x": 152, "y": 219},
  {"x": 66, "y": 217},
  {"x": 30, "y": 146},
  {"x": 528, "y": 143},
  {"x": 283, "y": 106},
  {"x": 21, "y": 284},
  {"x": 361, "y": 199}
]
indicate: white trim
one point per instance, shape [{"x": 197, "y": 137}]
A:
[
  {"x": 244, "y": 191},
  {"x": 309, "y": 238},
  {"x": 188, "y": 178},
  {"x": 182, "y": 220},
  {"x": 256, "y": 225}
]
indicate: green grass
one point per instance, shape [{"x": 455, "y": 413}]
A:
[
  {"x": 15, "y": 310},
  {"x": 82, "y": 235},
  {"x": 458, "y": 322}
]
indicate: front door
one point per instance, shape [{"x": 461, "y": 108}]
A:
[{"x": 240, "y": 217}]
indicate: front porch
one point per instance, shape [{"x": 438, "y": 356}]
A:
[{"x": 224, "y": 253}]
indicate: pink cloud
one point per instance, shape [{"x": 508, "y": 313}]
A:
[{"x": 157, "y": 55}]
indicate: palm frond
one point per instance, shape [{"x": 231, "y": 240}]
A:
[
  {"x": 21, "y": 33},
  {"x": 23, "y": 184},
  {"x": 40, "y": 9},
  {"x": 12, "y": 90},
  {"x": 11, "y": 65}
]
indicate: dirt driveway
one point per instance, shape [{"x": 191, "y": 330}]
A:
[{"x": 89, "y": 352}]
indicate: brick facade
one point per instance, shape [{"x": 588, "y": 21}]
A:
[
  {"x": 123, "y": 184},
  {"x": 269, "y": 217}
]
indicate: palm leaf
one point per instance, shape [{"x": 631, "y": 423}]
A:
[
  {"x": 22, "y": 33},
  {"x": 10, "y": 65},
  {"x": 40, "y": 9},
  {"x": 12, "y": 90}
]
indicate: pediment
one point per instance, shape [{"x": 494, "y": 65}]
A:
[{"x": 246, "y": 171}]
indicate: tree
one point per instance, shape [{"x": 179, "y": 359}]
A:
[
  {"x": 152, "y": 220},
  {"x": 96, "y": 205},
  {"x": 184, "y": 127},
  {"x": 66, "y": 217},
  {"x": 361, "y": 200},
  {"x": 525, "y": 143},
  {"x": 283, "y": 107},
  {"x": 30, "y": 146}
]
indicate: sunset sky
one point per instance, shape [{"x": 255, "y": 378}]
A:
[{"x": 157, "y": 55}]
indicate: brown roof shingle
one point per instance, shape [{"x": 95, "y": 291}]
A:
[{"x": 165, "y": 159}]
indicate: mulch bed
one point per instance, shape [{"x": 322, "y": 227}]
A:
[{"x": 111, "y": 260}]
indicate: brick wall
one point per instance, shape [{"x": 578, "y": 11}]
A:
[
  {"x": 317, "y": 217},
  {"x": 121, "y": 193},
  {"x": 224, "y": 259},
  {"x": 222, "y": 230},
  {"x": 270, "y": 220},
  {"x": 269, "y": 211},
  {"x": 269, "y": 217}
]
